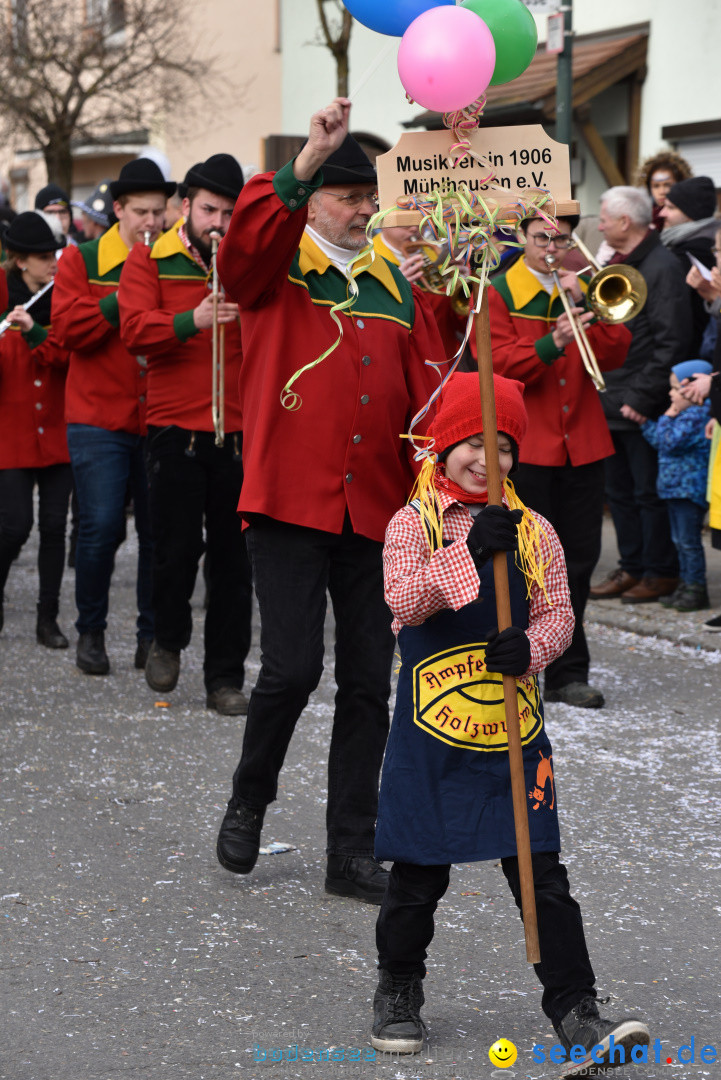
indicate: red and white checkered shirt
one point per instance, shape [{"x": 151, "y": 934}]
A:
[{"x": 417, "y": 586}]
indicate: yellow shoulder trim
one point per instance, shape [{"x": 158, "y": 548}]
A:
[
  {"x": 312, "y": 258},
  {"x": 524, "y": 286},
  {"x": 111, "y": 251},
  {"x": 382, "y": 249},
  {"x": 169, "y": 243}
]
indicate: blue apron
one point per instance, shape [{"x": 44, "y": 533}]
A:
[{"x": 445, "y": 794}]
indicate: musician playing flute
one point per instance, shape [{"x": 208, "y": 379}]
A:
[
  {"x": 166, "y": 312},
  {"x": 105, "y": 409},
  {"x": 322, "y": 478},
  {"x": 561, "y": 463},
  {"x": 33, "y": 449}
]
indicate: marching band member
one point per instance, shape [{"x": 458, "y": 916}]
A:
[
  {"x": 561, "y": 464},
  {"x": 33, "y": 450},
  {"x": 105, "y": 409},
  {"x": 321, "y": 481},
  {"x": 166, "y": 312}
]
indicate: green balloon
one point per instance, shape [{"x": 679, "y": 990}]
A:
[{"x": 514, "y": 32}]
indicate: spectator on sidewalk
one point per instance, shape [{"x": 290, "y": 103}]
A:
[
  {"x": 679, "y": 437},
  {"x": 636, "y": 392}
]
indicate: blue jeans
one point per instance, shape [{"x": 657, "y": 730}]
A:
[
  {"x": 106, "y": 464},
  {"x": 686, "y": 523}
]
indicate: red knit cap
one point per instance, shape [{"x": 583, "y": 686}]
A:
[{"x": 459, "y": 413}]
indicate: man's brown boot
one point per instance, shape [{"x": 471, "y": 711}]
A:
[
  {"x": 648, "y": 589},
  {"x": 617, "y": 582}
]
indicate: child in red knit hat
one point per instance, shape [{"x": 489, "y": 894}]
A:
[{"x": 445, "y": 789}]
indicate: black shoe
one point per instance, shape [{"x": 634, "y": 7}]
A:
[
  {"x": 141, "y": 652},
  {"x": 397, "y": 1024},
  {"x": 227, "y": 700},
  {"x": 239, "y": 839},
  {"x": 49, "y": 634},
  {"x": 693, "y": 598},
  {"x": 578, "y": 694},
  {"x": 670, "y": 601},
  {"x": 714, "y": 624},
  {"x": 583, "y": 1026},
  {"x": 162, "y": 668},
  {"x": 91, "y": 656},
  {"x": 359, "y": 876}
]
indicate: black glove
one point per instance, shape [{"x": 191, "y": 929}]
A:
[
  {"x": 508, "y": 652},
  {"x": 494, "y": 529}
]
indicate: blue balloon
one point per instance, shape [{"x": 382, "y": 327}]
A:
[{"x": 391, "y": 17}]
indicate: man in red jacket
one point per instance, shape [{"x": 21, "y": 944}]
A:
[
  {"x": 166, "y": 312},
  {"x": 561, "y": 464},
  {"x": 322, "y": 477},
  {"x": 105, "y": 409}
]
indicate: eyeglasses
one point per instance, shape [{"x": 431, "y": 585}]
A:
[
  {"x": 355, "y": 199},
  {"x": 563, "y": 243}
]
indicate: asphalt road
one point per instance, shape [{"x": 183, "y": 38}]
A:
[{"x": 127, "y": 951}]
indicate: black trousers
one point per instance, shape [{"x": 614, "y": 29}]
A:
[
  {"x": 54, "y": 484},
  {"x": 405, "y": 927},
  {"x": 571, "y": 498},
  {"x": 640, "y": 517},
  {"x": 292, "y": 568},
  {"x": 193, "y": 482}
]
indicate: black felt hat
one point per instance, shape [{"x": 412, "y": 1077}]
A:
[
  {"x": 51, "y": 195},
  {"x": 141, "y": 175},
  {"x": 220, "y": 174},
  {"x": 30, "y": 234},
  {"x": 349, "y": 164},
  {"x": 99, "y": 205},
  {"x": 696, "y": 198},
  {"x": 183, "y": 185}
]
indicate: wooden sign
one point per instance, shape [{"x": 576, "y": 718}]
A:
[{"x": 522, "y": 160}]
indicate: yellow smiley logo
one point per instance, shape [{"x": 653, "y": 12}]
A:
[{"x": 503, "y": 1053}]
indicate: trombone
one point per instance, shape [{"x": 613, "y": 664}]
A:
[
  {"x": 217, "y": 401},
  {"x": 615, "y": 294}
]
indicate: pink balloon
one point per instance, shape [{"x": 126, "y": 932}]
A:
[{"x": 446, "y": 58}]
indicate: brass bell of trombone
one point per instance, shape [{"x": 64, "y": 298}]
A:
[{"x": 616, "y": 293}]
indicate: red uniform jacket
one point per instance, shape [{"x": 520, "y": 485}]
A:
[
  {"x": 565, "y": 417},
  {"x": 33, "y": 367},
  {"x": 106, "y": 384},
  {"x": 159, "y": 289},
  {"x": 341, "y": 449}
]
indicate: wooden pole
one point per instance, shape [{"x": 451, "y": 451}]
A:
[{"x": 503, "y": 611}]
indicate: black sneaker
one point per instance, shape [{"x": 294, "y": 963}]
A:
[
  {"x": 239, "y": 839},
  {"x": 358, "y": 876},
  {"x": 693, "y": 598},
  {"x": 578, "y": 694},
  {"x": 397, "y": 1024},
  {"x": 714, "y": 624},
  {"x": 607, "y": 1043}
]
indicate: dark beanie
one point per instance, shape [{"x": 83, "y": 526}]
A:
[
  {"x": 51, "y": 195},
  {"x": 696, "y": 198},
  {"x": 220, "y": 174},
  {"x": 349, "y": 164},
  {"x": 30, "y": 234},
  {"x": 141, "y": 175}
]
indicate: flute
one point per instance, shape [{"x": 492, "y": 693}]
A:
[{"x": 6, "y": 323}]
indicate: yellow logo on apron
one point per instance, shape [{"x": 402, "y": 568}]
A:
[{"x": 458, "y": 701}]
